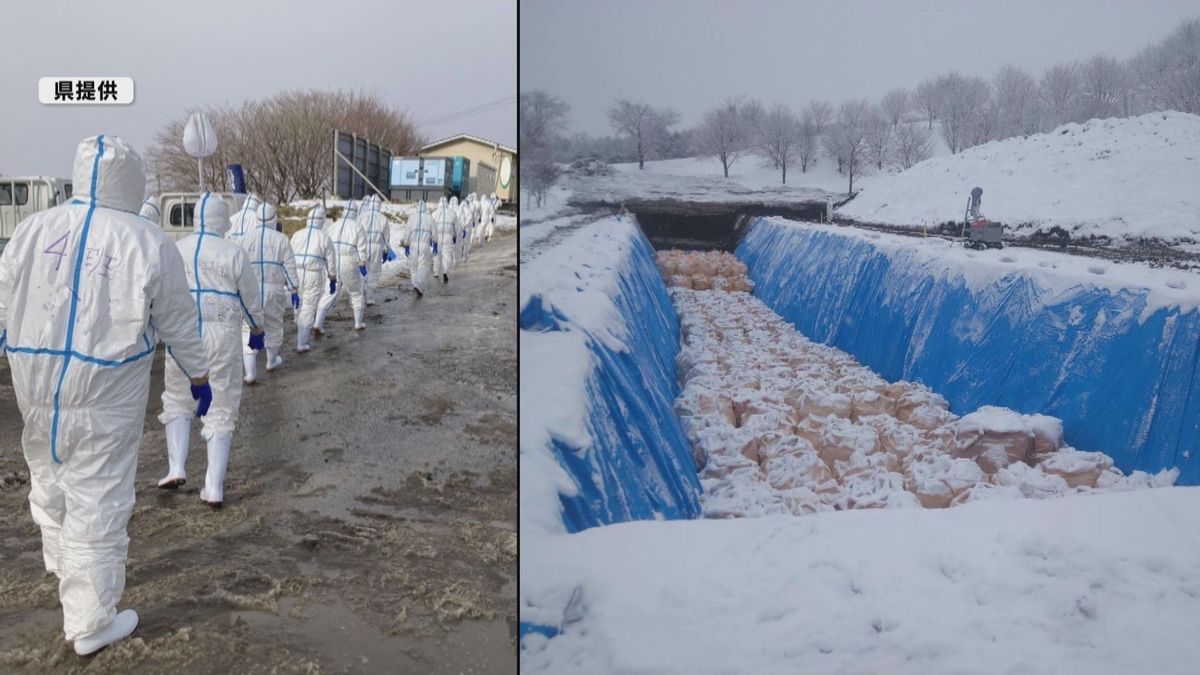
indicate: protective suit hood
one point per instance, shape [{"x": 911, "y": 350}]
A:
[
  {"x": 316, "y": 217},
  {"x": 442, "y": 203},
  {"x": 211, "y": 215},
  {"x": 150, "y": 210},
  {"x": 265, "y": 213},
  {"x": 109, "y": 173},
  {"x": 454, "y": 202},
  {"x": 351, "y": 210}
]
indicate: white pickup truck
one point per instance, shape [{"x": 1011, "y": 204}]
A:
[
  {"x": 177, "y": 209},
  {"x": 23, "y": 196}
]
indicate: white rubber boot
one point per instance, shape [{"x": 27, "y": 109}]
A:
[
  {"x": 274, "y": 358},
  {"x": 303, "y": 333},
  {"x": 358, "y": 319},
  {"x": 179, "y": 434},
  {"x": 250, "y": 363},
  {"x": 213, "y": 492},
  {"x": 120, "y": 628},
  {"x": 319, "y": 326}
]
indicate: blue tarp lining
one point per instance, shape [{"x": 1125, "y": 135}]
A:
[
  {"x": 639, "y": 465},
  {"x": 1122, "y": 385}
]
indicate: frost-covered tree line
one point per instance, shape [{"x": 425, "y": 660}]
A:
[{"x": 898, "y": 130}]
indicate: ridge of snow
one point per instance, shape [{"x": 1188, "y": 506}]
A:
[{"x": 1122, "y": 178}]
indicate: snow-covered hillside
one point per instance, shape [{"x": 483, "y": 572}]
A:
[{"x": 1121, "y": 178}]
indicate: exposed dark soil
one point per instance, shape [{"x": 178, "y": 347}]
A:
[{"x": 370, "y": 515}]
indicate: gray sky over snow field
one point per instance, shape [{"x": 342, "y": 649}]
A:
[
  {"x": 432, "y": 58},
  {"x": 688, "y": 54}
]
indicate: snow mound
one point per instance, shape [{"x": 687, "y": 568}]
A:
[
  {"x": 1121, "y": 178},
  {"x": 780, "y": 424}
]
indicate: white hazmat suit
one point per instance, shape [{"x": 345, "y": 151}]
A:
[
  {"x": 86, "y": 290},
  {"x": 316, "y": 264},
  {"x": 417, "y": 242},
  {"x": 245, "y": 219},
  {"x": 274, "y": 266},
  {"x": 150, "y": 210},
  {"x": 350, "y": 259},
  {"x": 375, "y": 229},
  {"x": 487, "y": 220},
  {"x": 445, "y": 235},
  {"x": 225, "y": 292}
]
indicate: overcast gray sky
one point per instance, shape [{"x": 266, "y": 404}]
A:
[
  {"x": 432, "y": 58},
  {"x": 688, "y": 54}
]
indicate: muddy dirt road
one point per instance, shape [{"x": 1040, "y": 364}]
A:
[{"x": 370, "y": 515}]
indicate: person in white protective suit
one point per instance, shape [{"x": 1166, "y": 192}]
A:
[
  {"x": 245, "y": 219},
  {"x": 418, "y": 251},
  {"x": 225, "y": 291},
  {"x": 466, "y": 215},
  {"x": 375, "y": 229},
  {"x": 350, "y": 263},
  {"x": 487, "y": 215},
  {"x": 316, "y": 263},
  {"x": 476, "y": 214},
  {"x": 489, "y": 225},
  {"x": 274, "y": 266},
  {"x": 445, "y": 236},
  {"x": 86, "y": 290},
  {"x": 150, "y": 210}
]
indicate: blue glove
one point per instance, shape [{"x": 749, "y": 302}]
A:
[
  {"x": 435, "y": 248},
  {"x": 362, "y": 269},
  {"x": 333, "y": 286},
  {"x": 389, "y": 256},
  {"x": 203, "y": 394},
  {"x": 454, "y": 239},
  {"x": 407, "y": 251},
  {"x": 258, "y": 341},
  {"x": 295, "y": 301}
]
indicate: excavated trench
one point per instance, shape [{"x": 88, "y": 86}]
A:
[{"x": 692, "y": 226}]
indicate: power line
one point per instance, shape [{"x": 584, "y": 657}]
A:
[{"x": 470, "y": 112}]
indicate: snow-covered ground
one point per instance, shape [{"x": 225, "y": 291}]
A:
[
  {"x": 1085, "y": 584},
  {"x": 701, "y": 180},
  {"x": 1120, "y": 178}
]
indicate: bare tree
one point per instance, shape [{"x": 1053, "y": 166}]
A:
[
  {"x": 780, "y": 138},
  {"x": 543, "y": 117},
  {"x": 1059, "y": 89},
  {"x": 283, "y": 142},
  {"x": 964, "y": 100},
  {"x": 644, "y": 125},
  {"x": 846, "y": 137},
  {"x": 877, "y": 137},
  {"x": 806, "y": 143},
  {"x": 818, "y": 115},
  {"x": 728, "y": 131},
  {"x": 928, "y": 99},
  {"x": 1103, "y": 85},
  {"x": 912, "y": 144},
  {"x": 1168, "y": 73},
  {"x": 895, "y": 105},
  {"x": 1016, "y": 102}
]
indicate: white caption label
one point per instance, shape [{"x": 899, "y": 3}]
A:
[{"x": 85, "y": 90}]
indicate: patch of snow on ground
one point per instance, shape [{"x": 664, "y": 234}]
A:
[{"x": 1120, "y": 178}]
